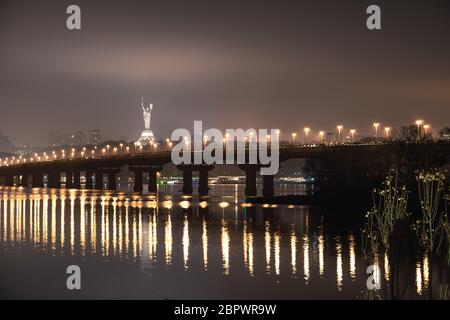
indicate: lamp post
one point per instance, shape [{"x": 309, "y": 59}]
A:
[
  {"x": 321, "y": 134},
  {"x": 306, "y": 134},
  {"x": 339, "y": 127},
  {"x": 387, "y": 130},
  {"x": 352, "y": 133},
  {"x": 376, "y": 125},
  {"x": 293, "y": 138},
  {"x": 418, "y": 123}
]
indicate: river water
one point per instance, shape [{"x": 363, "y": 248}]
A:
[{"x": 132, "y": 246}]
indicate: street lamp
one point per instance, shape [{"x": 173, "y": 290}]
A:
[
  {"x": 278, "y": 133},
  {"x": 306, "y": 134},
  {"x": 419, "y": 123},
  {"x": 376, "y": 125},
  {"x": 321, "y": 134},
  {"x": 293, "y": 138},
  {"x": 339, "y": 127},
  {"x": 352, "y": 133},
  {"x": 387, "y": 130}
]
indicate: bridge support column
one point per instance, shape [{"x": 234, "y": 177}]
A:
[
  {"x": 38, "y": 180},
  {"x": 138, "y": 180},
  {"x": 9, "y": 180},
  {"x": 112, "y": 178},
  {"x": 54, "y": 179},
  {"x": 203, "y": 173},
  {"x": 152, "y": 179},
  {"x": 76, "y": 179},
  {"x": 89, "y": 180},
  {"x": 99, "y": 179},
  {"x": 187, "y": 181},
  {"x": 69, "y": 179},
  {"x": 250, "y": 179},
  {"x": 268, "y": 190}
]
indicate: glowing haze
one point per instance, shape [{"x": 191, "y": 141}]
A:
[{"x": 283, "y": 64}]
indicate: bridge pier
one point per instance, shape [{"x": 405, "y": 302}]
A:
[
  {"x": 76, "y": 179},
  {"x": 89, "y": 180},
  {"x": 69, "y": 179},
  {"x": 153, "y": 179},
  {"x": 54, "y": 179},
  {"x": 250, "y": 179},
  {"x": 187, "y": 181},
  {"x": 112, "y": 178},
  {"x": 9, "y": 180},
  {"x": 203, "y": 173},
  {"x": 37, "y": 180},
  {"x": 268, "y": 189},
  {"x": 99, "y": 179},
  {"x": 138, "y": 180}
]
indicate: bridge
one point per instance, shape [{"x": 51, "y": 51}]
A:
[{"x": 95, "y": 164}]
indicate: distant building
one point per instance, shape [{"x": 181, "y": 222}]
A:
[
  {"x": 95, "y": 137},
  {"x": 78, "y": 139},
  {"x": 444, "y": 134},
  {"x": 58, "y": 139},
  {"x": 6, "y": 145}
]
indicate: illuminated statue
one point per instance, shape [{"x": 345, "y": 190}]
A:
[
  {"x": 147, "y": 113},
  {"x": 146, "y": 137}
]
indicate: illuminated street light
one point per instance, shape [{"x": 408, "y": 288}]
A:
[
  {"x": 293, "y": 137},
  {"x": 306, "y": 134},
  {"x": 419, "y": 123},
  {"x": 376, "y": 125},
  {"x": 339, "y": 127},
  {"x": 321, "y": 135},
  {"x": 387, "y": 131},
  {"x": 352, "y": 133},
  {"x": 426, "y": 127}
]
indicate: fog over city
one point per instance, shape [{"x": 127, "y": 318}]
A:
[{"x": 230, "y": 64}]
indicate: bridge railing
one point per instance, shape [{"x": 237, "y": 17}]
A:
[{"x": 115, "y": 153}]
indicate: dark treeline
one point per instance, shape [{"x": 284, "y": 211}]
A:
[{"x": 359, "y": 172}]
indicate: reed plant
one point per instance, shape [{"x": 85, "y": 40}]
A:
[
  {"x": 389, "y": 207},
  {"x": 431, "y": 188}
]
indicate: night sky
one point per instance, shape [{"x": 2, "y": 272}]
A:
[{"x": 240, "y": 64}]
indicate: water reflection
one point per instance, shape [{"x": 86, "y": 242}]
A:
[{"x": 261, "y": 242}]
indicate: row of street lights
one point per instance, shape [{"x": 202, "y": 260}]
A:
[{"x": 376, "y": 125}]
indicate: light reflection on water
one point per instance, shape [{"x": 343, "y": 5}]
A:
[{"x": 255, "y": 251}]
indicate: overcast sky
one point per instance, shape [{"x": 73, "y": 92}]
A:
[{"x": 261, "y": 64}]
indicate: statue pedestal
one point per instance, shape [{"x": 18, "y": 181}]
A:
[{"x": 146, "y": 138}]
